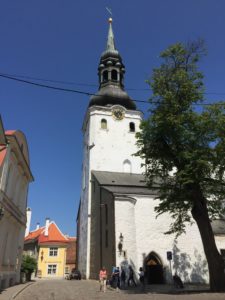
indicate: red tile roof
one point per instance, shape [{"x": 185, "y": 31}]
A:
[
  {"x": 10, "y": 132},
  {"x": 34, "y": 234},
  {"x": 3, "y": 147},
  {"x": 2, "y": 154},
  {"x": 54, "y": 235}
]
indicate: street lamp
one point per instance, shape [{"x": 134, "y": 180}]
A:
[
  {"x": 120, "y": 245},
  {"x": 42, "y": 255},
  {"x": 169, "y": 258}
]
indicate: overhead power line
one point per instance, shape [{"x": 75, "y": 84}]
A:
[
  {"x": 45, "y": 86},
  {"x": 77, "y": 91},
  {"x": 54, "y": 87},
  {"x": 49, "y": 80},
  {"x": 85, "y": 84}
]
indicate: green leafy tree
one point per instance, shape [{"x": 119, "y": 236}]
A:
[
  {"x": 184, "y": 149},
  {"x": 29, "y": 265}
]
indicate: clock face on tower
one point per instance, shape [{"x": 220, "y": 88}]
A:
[{"x": 118, "y": 113}]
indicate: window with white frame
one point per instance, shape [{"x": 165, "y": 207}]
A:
[
  {"x": 53, "y": 251},
  {"x": 52, "y": 269}
]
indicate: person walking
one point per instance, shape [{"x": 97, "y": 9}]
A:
[
  {"x": 112, "y": 281},
  {"x": 131, "y": 281},
  {"x": 123, "y": 279},
  {"x": 142, "y": 278},
  {"x": 102, "y": 279},
  {"x": 116, "y": 276}
]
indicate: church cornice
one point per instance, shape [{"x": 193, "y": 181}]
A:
[{"x": 122, "y": 197}]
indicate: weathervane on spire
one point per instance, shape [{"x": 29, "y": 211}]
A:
[{"x": 109, "y": 10}]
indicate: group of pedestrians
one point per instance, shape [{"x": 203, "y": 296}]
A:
[{"x": 120, "y": 278}]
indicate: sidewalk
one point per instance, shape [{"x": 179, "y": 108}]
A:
[{"x": 11, "y": 292}]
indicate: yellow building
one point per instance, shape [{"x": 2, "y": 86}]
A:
[{"x": 48, "y": 244}]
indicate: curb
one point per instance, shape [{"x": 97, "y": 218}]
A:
[{"x": 20, "y": 291}]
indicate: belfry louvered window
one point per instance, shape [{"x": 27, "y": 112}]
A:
[
  {"x": 114, "y": 75},
  {"x": 105, "y": 76}
]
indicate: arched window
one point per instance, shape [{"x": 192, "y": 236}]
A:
[
  {"x": 103, "y": 124},
  {"x": 114, "y": 75},
  {"x": 132, "y": 127},
  {"x": 105, "y": 76},
  {"x": 127, "y": 166}
]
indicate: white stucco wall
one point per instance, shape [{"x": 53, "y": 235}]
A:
[
  {"x": 125, "y": 225},
  {"x": 84, "y": 206},
  {"x": 106, "y": 150},
  {"x": 103, "y": 150},
  {"x": 220, "y": 242},
  {"x": 115, "y": 144},
  {"x": 143, "y": 234}
]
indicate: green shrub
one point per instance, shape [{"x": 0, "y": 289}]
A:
[{"x": 29, "y": 264}]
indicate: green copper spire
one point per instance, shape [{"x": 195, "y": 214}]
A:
[{"x": 110, "y": 41}]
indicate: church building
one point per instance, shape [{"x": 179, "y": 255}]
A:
[{"x": 116, "y": 223}]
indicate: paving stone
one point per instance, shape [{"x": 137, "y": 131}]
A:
[{"x": 89, "y": 290}]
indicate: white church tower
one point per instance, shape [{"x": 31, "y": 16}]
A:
[
  {"x": 109, "y": 129},
  {"x": 116, "y": 223}
]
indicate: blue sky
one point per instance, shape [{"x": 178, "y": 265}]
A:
[{"x": 62, "y": 41}]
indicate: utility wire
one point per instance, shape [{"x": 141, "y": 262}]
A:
[
  {"x": 81, "y": 92},
  {"x": 46, "y": 86},
  {"x": 54, "y": 87},
  {"x": 49, "y": 80},
  {"x": 85, "y": 84}
]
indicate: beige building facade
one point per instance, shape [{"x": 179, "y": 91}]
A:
[{"x": 15, "y": 176}]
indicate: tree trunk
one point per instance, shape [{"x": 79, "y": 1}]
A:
[{"x": 215, "y": 261}]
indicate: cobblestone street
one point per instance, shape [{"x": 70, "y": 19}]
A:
[{"x": 88, "y": 290}]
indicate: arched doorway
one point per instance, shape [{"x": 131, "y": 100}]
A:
[{"x": 153, "y": 269}]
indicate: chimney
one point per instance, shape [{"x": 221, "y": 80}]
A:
[
  {"x": 37, "y": 226},
  {"x": 47, "y": 221},
  {"x": 28, "y": 211}
]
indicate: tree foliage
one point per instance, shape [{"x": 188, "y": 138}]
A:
[
  {"x": 183, "y": 144},
  {"x": 29, "y": 264}
]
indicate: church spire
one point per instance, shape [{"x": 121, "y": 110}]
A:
[
  {"x": 110, "y": 41},
  {"x": 110, "y": 45},
  {"x": 111, "y": 72}
]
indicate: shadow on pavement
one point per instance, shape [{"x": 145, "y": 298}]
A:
[{"x": 167, "y": 289}]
